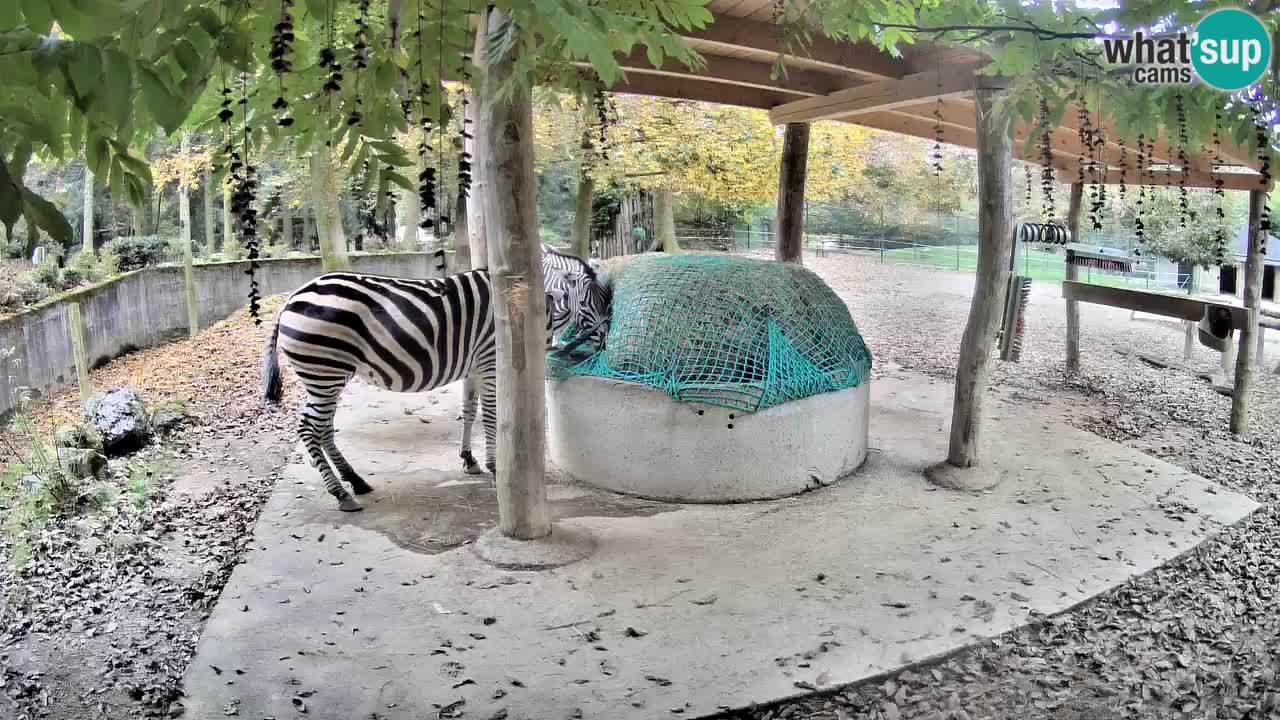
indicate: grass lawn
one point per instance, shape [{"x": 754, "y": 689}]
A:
[{"x": 1040, "y": 266}]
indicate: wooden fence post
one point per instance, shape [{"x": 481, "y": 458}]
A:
[
  {"x": 791, "y": 177},
  {"x": 1073, "y": 307},
  {"x": 1246, "y": 355},
  {"x": 995, "y": 219},
  {"x": 75, "y": 325}
]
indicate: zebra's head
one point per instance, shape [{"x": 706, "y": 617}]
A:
[{"x": 577, "y": 300}]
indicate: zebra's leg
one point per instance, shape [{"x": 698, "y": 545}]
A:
[
  {"x": 316, "y": 425},
  {"x": 489, "y": 416},
  {"x": 345, "y": 471},
  {"x": 469, "y": 398}
]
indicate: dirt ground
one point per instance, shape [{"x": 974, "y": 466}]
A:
[
  {"x": 102, "y": 622},
  {"x": 1194, "y": 639}
]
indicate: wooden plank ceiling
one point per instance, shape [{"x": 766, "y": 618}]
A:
[{"x": 857, "y": 83}]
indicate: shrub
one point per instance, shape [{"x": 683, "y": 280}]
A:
[
  {"x": 139, "y": 251},
  {"x": 233, "y": 250}
]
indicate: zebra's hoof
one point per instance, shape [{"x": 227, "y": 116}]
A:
[
  {"x": 472, "y": 468},
  {"x": 360, "y": 487},
  {"x": 349, "y": 505},
  {"x": 493, "y": 469}
]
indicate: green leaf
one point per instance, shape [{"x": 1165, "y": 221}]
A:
[
  {"x": 39, "y": 15},
  {"x": 48, "y": 218},
  {"x": 10, "y": 200},
  {"x": 187, "y": 55},
  {"x": 85, "y": 69},
  {"x": 399, "y": 180},
  {"x": 164, "y": 107},
  {"x": 119, "y": 80}
]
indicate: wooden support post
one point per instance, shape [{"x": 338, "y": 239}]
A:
[
  {"x": 580, "y": 242},
  {"x": 1252, "y": 299},
  {"x": 188, "y": 259},
  {"x": 995, "y": 233},
  {"x": 519, "y": 303},
  {"x": 1073, "y": 273},
  {"x": 791, "y": 177},
  {"x": 75, "y": 325}
]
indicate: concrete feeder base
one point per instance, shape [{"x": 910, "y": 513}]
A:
[{"x": 629, "y": 438}]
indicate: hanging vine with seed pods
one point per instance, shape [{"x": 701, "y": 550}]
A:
[
  {"x": 1086, "y": 135},
  {"x": 244, "y": 193},
  {"x": 937, "y": 125},
  {"x": 282, "y": 38},
  {"x": 1139, "y": 226},
  {"x": 442, "y": 220},
  {"x": 427, "y": 173},
  {"x": 1047, "y": 179},
  {"x": 1098, "y": 155},
  {"x": 1183, "y": 161},
  {"x": 1219, "y": 232},
  {"x": 1264, "y": 169},
  {"x": 464, "y": 134}
]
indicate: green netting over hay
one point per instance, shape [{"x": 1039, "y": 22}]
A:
[{"x": 735, "y": 332}]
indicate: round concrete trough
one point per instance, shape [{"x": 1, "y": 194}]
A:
[{"x": 629, "y": 438}]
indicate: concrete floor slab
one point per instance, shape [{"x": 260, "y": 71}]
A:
[{"x": 682, "y": 610}]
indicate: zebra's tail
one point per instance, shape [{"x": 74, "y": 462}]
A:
[{"x": 272, "y": 387}]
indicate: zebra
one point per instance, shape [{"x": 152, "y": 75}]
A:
[
  {"x": 585, "y": 291},
  {"x": 402, "y": 334}
]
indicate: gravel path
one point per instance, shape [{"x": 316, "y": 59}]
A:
[{"x": 1199, "y": 638}]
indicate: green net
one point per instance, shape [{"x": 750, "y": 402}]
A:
[{"x": 729, "y": 331}]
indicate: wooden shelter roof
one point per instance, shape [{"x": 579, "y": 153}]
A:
[{"x": 859, "y": 83}]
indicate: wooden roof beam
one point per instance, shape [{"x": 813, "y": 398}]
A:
[
  {"x": 862, "y": 59},
  {"x": 734, "y": 71},
  {"x": 1195, "y": 179},
  {"x": 879, "y": 96},
  {"x": 915, "y": 126},
  {"x": 700, "y": 90}
]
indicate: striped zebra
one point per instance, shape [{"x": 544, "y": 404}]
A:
[
  {"x": 584, "y": 290},
  {"x": 402, "y": 334}
]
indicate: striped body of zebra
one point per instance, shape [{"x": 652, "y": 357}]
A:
[
  {"x": 402, "y": 334},
  {"x": 585, "y": 293}
]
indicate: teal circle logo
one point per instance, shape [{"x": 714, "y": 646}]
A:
[{"x": 1231, "y": 49}]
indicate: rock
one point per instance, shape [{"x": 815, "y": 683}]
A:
[
  {"x": 168, "y": 416},
  {"x": 30, "y": 483},
  {"x": 82, "y": 463},
  {"x": 78, "y": 435},
  {"x": 120, "y": 416}
]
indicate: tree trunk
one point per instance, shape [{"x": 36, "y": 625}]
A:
[
  {"x": 305, "y": 245},
  {"x": 86, "y": 233},
  {"x": 519, "y": 301},
  {"x": 664, "y": 220},
  {"x": 995, "y": 212},
  {"x": 286, "y": 224},
  {"x": 412, "y": 214},
  {"x": 791, "y": 176},
  {"x": 478, "y": 147},
  {"x": 1073, "y": 273},
  {"x": 324, "y": 203},
  {"x": 228, "y": 230},
  {"x": 580, "y": 242},
  {"x": 462, "y": 235},
  {"x": 188, "y": 261},
  {"x": 210, "y": 236},
  {"x": 1246, "y": 355}
]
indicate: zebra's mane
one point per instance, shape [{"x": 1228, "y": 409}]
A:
[{"x": 582, "y": 265}]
